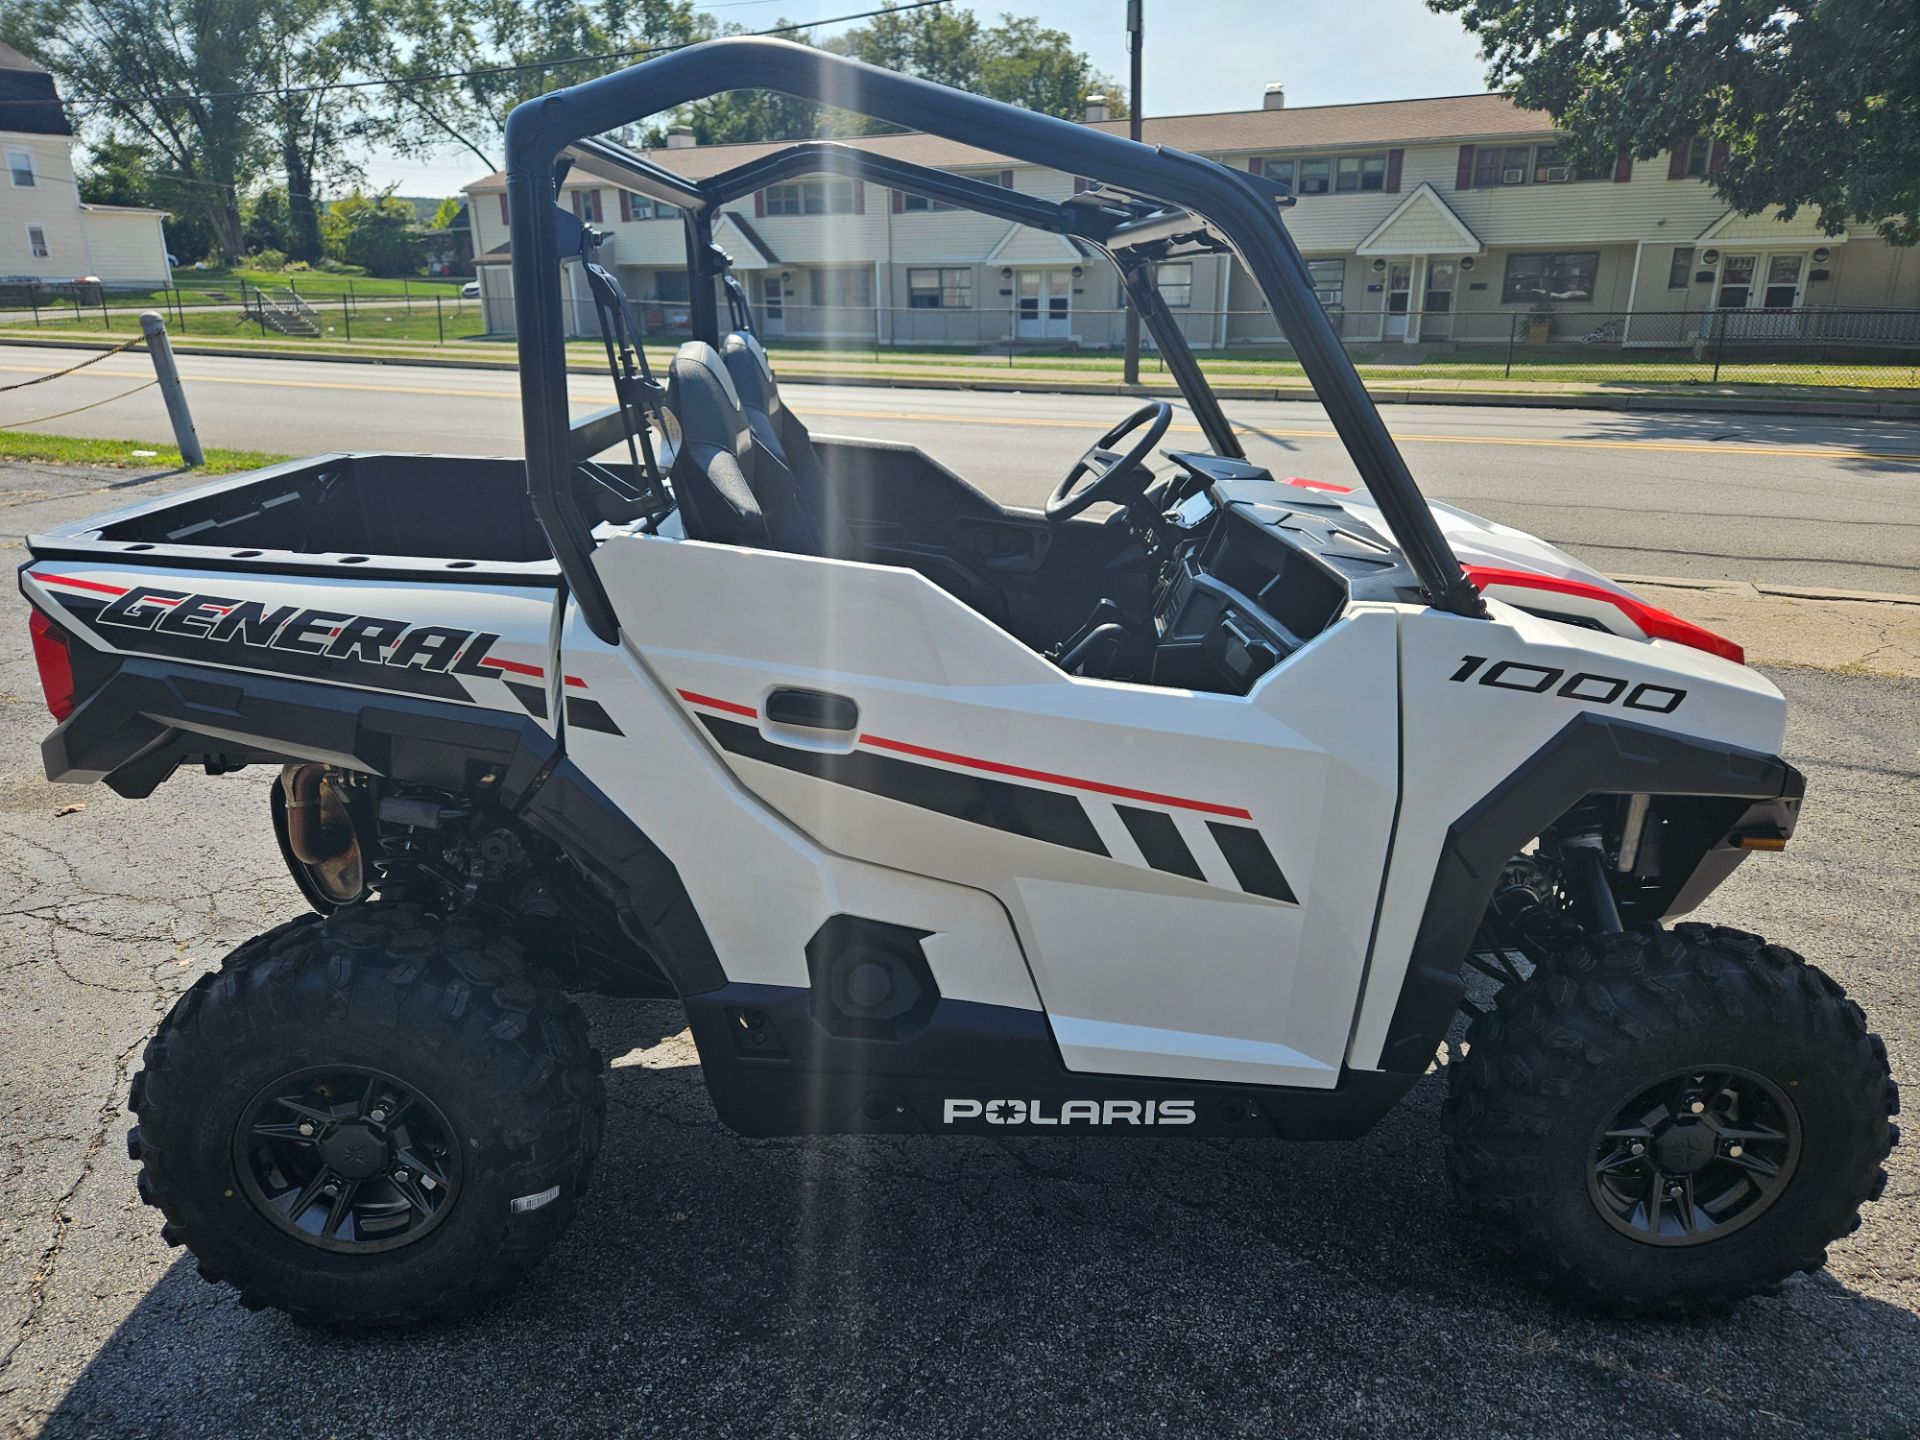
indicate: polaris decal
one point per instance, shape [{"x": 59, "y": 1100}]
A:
[
  {"x": 1069, "y": 1112},
  {"x": 1595, "y": 689},
  {"x": 379, "y": 651}
]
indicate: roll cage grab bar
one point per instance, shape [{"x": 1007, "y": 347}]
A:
[{"x": 1225, "y": 208}]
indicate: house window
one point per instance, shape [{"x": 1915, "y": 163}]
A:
[
  {"x": 1502, "y": 165},
  {"x": 1680, "y": 268},
  {"x": 1360, "y": 172},
  {"x": 917, "y": 203},
  {"x": 843, "y": 289},
  {"x": 1174, "y": 280},
  {"x": 638, "y": 207},
  {"x": 1561, "y": 275},
  {"x": 946, "y": 288},
  {"x": 1699, "y": 156},
  {"x": 37, "y": 242},
  {"x": 811, "y": 197},
  {"x": 20, "y": 166},
  {"x": 1329, "y": 282},
  {"x": 670, "y": 285},
  {"x": 1315, "y": 176},
  {"x": 586, "y": 205},
  {"x": 1281, "y": 170}
]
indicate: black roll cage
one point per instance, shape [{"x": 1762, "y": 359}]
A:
[{"x": 1151, "y": 201}]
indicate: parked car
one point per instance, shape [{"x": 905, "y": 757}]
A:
[{"x": 470, "y": 290}]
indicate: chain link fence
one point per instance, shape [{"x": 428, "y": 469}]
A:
[{"x": 235, "y": 308}]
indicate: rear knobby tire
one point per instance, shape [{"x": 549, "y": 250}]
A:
[
  {"x": 1551, "y": 1066},
  {"x": 505, "y": 1079}
]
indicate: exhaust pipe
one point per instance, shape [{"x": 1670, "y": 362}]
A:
[{"x": 320, "y": 833}]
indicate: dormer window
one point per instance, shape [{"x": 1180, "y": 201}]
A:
[{"x": 20, "y": 167}]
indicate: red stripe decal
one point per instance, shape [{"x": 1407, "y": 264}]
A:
[
  {"x": 79, "y": 584},
  {"x": 994, "y": 767},
  {"x": 515, "y": 666},
  {"x": 576, "y": 682},
  {"x": 1305, "y": 484},
  {"x": 694, "y": 698},
  {"x": 1653, "y": 622}
]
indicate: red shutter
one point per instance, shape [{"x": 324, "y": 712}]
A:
[
  {"x": 505, "y": 218},
  {"x": 1257, "y": 165},
  {"x": 759, "y": 204},
  {"x": 859, "y": 197},
  {"x": 899, "y": 202},
  {"x": 1677, "y": 162},
  {"x": 1623, "y": 170},
  {"x": 1394, "y": 159},
  {"x": 1006, "y": 179},
  {"x": 1717, "y": 161},
  {"x": 1463, "y": 177}
]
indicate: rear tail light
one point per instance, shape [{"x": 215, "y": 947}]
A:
[
  {"x": 1650, "y": 620},
  {"x": 50, "y": 653}
]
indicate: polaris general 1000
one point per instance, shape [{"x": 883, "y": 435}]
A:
[{"x": 1190, "y": 818}]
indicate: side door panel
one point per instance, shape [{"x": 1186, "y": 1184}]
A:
[{"x": 1193, "y": 877}]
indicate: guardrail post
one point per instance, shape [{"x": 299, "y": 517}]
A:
[{"x": 168, "y": 374}]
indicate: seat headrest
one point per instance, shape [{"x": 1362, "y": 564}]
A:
[
  {"x": 700, "y": 394},
  {"x": 746, "y": 361},
  {"x": 699, "y": 353}
]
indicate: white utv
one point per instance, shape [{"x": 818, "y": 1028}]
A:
[{"x": 935, "y": 815}]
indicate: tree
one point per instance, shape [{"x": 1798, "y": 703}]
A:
[
  {"x": 1814, "y": 100},
  {"x": 446, "y": 212},
  {"x": 268, "y": 221},
  {"x": 120, "y": 171},
  {"x": 374, "y": 232}
]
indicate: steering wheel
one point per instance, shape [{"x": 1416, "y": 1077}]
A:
[{"x": 1116, "y": 477}]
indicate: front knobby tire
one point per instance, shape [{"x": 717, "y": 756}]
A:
[
  {"x": 1665, "y": 1122},
  {"x": 378, "y": 1118}
]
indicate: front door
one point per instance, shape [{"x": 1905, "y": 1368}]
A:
[
  {"x": 1191, "y": 876},
  {"x": 1399, "y": 297},
  {"x": 1045, "y": 304},
  {"x": 773, "y": 305},
  {"x": 1436, "y": 307},
  {"x": 1764, "y": 293}
]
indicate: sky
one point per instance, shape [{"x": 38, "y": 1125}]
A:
[{"x": 1201, "y": 55}]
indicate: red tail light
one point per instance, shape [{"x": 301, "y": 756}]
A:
[
  {"x": 1653, "y": 622},
  {"x": 56, "y": 664}
]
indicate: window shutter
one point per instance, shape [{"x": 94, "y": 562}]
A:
[
  {"x": 899, "y": 202},
  {"x": 859, "y": 197},
  {"x": 505, "y": 218},
  {"x": 759, "y": 204},
  {"x": 1463, "y": 177},
  {"x": 1394, "y": 159},
  {"x": 1623, "y": 170},
  {"x": 1677, "y": 162},
  {"x": 1257, "y": 165},
  {"x": 1717, "y": 160},
  {"x": 1006, "y": 179}
]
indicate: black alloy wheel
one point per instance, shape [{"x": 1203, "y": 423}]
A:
[
  {"x": 1694, "y": 1156},
  {"x": 347, "y": 1159}
]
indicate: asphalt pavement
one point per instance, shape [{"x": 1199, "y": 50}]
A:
[
  {"x": 714, "y": 1286},
  {"x": 1722, "y": 497}
]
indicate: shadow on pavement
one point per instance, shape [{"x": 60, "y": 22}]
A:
[{"x": 962, "y": 1287}]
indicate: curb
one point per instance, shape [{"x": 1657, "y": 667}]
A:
[
  {"x": 1384, "y": 395},
  {"x": 1756, "y": 589}
]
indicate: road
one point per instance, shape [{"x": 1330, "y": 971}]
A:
[{"x": 1736, "y": 497}]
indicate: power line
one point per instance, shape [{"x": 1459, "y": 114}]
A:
[{"x": 270, "y": 92}]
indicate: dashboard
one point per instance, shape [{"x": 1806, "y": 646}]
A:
[{"x": 1254, "y": 570}]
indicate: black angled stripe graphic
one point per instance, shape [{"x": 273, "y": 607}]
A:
[
  {"x": 585, "y": 714},
  {"x": 1043, "y": 815},
  {"x": 1160, "y": 842},
  {"x": 531, "y": 696},
  {"x": 1253, "y": 863}
]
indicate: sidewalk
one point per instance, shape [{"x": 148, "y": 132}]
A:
[{"x": 1097, "y": 375}]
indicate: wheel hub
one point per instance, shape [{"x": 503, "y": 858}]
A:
[
  {"x": 347, "y": 1159},
  {"x": 1694, "y": 1156}
]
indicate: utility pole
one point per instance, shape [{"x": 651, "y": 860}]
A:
[{"x": 1136, "y": 43}]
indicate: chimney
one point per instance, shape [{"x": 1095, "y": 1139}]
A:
[
  {"x": 1097, "y": 109},
  {"x": 680, "y": 137},
  {"x": 1276, "y": 97}
]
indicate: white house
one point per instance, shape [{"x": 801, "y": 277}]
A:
[
  {"x": 46, "y": 232},
  {"x": 1454, "y": 220}
]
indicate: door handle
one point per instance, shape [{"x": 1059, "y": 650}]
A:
[{"x": 811, "y": 709}]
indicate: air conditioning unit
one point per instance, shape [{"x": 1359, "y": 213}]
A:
[
  {"x": 1556, "y": 173},
  {"x": 1513, "y": 175}
]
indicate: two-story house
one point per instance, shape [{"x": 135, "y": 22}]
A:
[
  {"x": 1453, "y": 220},
  {"x": 47, "y": 233}
]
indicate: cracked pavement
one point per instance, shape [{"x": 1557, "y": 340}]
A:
[{"x": 894, "y": 1287}]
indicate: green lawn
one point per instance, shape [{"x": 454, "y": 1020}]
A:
[
  {"x": 71, "y": 450},
  {"x": 193, "y": 287}
]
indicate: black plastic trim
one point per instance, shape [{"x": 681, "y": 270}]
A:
[
  {"x": 797, "y": 1079},
  {"x": 1592, "y": 755}
]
